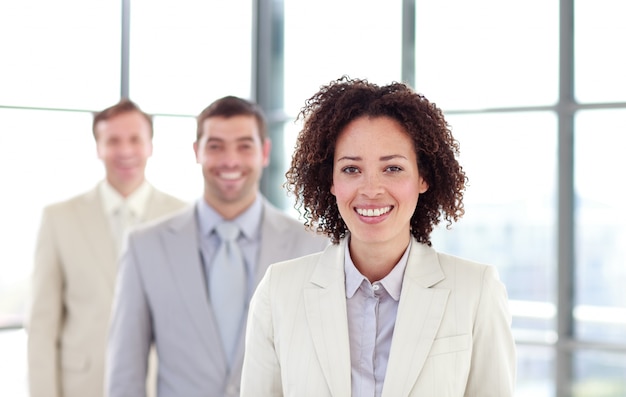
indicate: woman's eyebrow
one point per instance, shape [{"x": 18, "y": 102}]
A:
[
  {"x": 382, "y": 158},
  {"x": 349, "y": 158},
  {"x": 392, "y": 157}
]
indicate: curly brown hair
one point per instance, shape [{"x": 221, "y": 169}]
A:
[{"x": 327, "y": 113}]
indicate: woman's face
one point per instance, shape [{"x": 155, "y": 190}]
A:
[{"x": 376, "y": 180}]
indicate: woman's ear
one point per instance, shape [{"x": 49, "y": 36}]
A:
[{"x": 423, "y": 185}]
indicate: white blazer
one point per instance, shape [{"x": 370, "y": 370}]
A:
[{"x": 452, "y": 335}]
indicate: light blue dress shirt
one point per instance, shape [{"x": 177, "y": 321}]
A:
[{"x": 372, "y": 310}]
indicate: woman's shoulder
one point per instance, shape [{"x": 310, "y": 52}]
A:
[
  {"x": 456, "y": 267},
  {"x": 451, "y": 259},
  {"x": 299, "y": 263},
  {"x": 323, "y": 262}
]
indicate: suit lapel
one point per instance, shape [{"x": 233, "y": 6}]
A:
[
  {"x": 97, "y": 232},
  {"x": 275, "y": 239},
  {"x": 183, "y": 254},
  {"x": 325, "y": 305},
  {"x": 419, "y": 316}
]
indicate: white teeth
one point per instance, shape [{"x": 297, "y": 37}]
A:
[
  {"x": 230, "y": 175},
  {"x": 373, "y": 212}
]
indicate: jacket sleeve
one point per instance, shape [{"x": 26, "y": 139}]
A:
[
  {"x": 493, "y": 365},
  {"x": 130, "y": 333},
  {"x": 46, "y": 313}
]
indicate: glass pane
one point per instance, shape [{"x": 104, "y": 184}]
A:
[
  {"x": 60, "y": 54},
  {"x": 535, "y": 371},
  {"x": 600, "y": 139},
  {"x": 13, "y": 366},
  {"x": 173, "y": 167},
  {"x": 600, "y": 58},
  {"x": 326, "y": 39},
  {"x": 274, "y": 174},
  {"x": 510, "y": 160},
  {"x": 487, "y": 53},
  {"x": 45, "y": 157},
  {"x": 290, "y": 135},
  {"x": 599, "y": 374},
  {"x": 184, "y": 57}
]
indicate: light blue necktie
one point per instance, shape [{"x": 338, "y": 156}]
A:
[{"x": 227, "y": 287}]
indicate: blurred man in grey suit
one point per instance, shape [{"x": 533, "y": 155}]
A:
[
  {"x": 76, "y": 258},
  {"x": 167, "y": 287}
]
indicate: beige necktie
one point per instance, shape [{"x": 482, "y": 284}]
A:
[{"x": 123, "y": 220}]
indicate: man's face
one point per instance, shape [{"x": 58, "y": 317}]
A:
[
  {"x": 232, "y": 156},
  {"x": 124, "y": 144}
]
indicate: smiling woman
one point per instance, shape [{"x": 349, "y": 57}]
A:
[{"x": 375, "y": 169}]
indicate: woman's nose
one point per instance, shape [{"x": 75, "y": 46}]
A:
[{"x": 372, "y": 185}]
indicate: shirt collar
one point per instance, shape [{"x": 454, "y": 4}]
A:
[
  {"x": 392, "y": 282},
  {"x": 248, "y": 221},
  {"x": 136, "y": 201}
]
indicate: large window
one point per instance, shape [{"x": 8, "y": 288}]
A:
[
  {"x": 538, "y": 107},
  {"x": 534, "y": 91}
]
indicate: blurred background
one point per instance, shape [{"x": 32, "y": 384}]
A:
[{"x": 535, "y": 91}]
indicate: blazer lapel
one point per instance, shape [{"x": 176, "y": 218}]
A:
[
  {"x": 97, "y": 232},
  {"x": 275, "y": 238},
  {"x": 183, "y": 254},
  {"x": 420, "y": 312},
  {"x": 325, "y": 305}
]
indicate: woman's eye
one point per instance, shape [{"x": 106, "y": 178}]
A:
[
  {"x": 350, "y": 170},
  {"x": 393, "y": 168}
]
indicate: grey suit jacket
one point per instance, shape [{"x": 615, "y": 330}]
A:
[
  {"x": 452, "y": 335},
  {"x": 162, "y": 298},
  {"x": 73, "y": 281}
]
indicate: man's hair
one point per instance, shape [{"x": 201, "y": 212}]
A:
[
  {"x": 125, "y": 105},
  {"x": 230, "y": 106}
]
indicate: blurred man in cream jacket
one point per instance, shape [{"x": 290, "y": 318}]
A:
[{"x": 76, "y": 258}]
